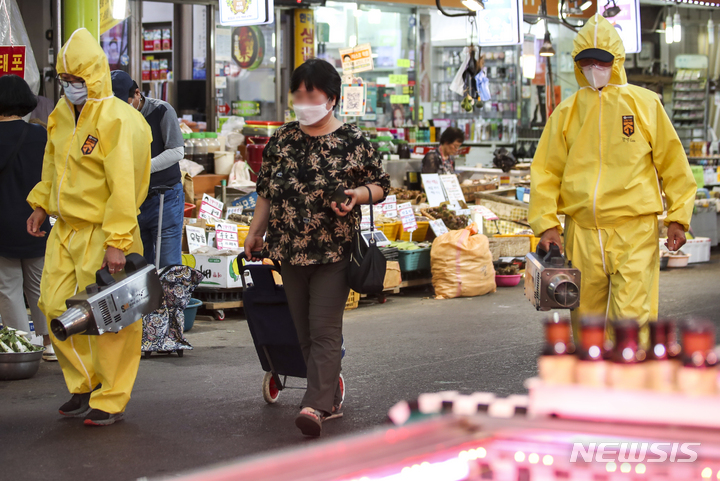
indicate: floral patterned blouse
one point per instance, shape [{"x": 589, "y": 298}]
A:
[{"x": 299, "y": 175}]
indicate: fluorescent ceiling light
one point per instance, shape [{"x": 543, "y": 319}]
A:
[
  {"x": 119, "y": 8},
  {"x": 677, "y": 28},
  {"x": 473, "y": 5},
  {"x": 668, "y": 30},
  {"x": 586, "y": 5}
]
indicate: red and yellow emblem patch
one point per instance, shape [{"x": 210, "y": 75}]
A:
[
  {"x": 628, "y": 125},
  {"x": 89, "y": 145}
]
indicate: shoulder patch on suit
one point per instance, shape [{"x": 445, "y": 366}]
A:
[
  {"x": 628, "y": 125},
  {"x": 89, "y": 145}
]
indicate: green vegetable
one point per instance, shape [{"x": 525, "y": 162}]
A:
[{"x": 12, "y": 340}]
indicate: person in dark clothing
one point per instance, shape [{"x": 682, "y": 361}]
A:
[
  {"x": 167, "y": 149},
  {"x": 442, "y": 159},
  {"x": 22, "y": 256}
]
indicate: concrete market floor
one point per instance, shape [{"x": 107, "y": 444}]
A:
[{"x": 207, "y": 407}]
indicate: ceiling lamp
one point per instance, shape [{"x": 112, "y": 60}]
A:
[
  {"x": 668, "y": 30},
  {"x": 547, "y": 49},
  {"x": 473, "y": 5},
  {"x": 609, "y": 11},
  {"x": 711, "y": 31},
  {"x": 677, "y": 28},
  {"x": 586, "y": 5}
]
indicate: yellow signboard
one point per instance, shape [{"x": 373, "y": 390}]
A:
[
  {"x": 403, "y": 62},
  {"x": 304, "y": 35},
  {"x": 106, "y": 15},
  {"x": 399, "y": 99}
]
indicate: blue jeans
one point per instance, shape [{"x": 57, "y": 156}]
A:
[{"x": 171, "y": 237}]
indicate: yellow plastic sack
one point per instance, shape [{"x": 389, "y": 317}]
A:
[{"x": 462, "y": 264}]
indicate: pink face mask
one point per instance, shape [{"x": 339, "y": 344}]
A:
[{"x": 597, "y": 76}]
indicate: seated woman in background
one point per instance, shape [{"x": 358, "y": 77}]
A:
[{"x": 442, "y": 160}]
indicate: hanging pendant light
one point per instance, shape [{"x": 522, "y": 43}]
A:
[
  {"x": 668, "y": 30},
  {"x": 677, "y": 28},
  {"x": 547, "y": 49},
  {"x": 711, "y": 31}
]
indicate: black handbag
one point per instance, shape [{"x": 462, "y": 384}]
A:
[{"x": 366, "y": 273}]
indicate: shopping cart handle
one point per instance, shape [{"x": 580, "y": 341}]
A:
[{"x": 257, "y": 255}]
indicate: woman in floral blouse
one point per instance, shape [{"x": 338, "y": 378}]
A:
[
  {"x": 442, "y": 159},
  {"x": 304, "y": 164}
]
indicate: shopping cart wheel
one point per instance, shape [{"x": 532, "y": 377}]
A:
[
  {"x": 342, "y": 387},
  {"x": 269, "y": 389},
  {"x": 180, "y": 352},
  {"x": 219, "y": 315}
]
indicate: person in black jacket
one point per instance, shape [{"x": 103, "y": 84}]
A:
[{"x": 22, "y": 256}]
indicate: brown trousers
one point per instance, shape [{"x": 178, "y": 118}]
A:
[{"x": 317, "y": 296}]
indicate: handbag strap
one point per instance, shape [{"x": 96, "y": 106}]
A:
[
  {"x": 372, "y": 218},
  {"x": 17, "y": 148}
]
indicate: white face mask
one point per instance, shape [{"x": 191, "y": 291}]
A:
[
  {"x": 76, "y": 96},
  {"x": 597, "y": 76},
  {"x": 310, "y": 114},
  {"x": 136, "y": 107}
]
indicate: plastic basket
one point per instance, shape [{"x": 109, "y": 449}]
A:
[
  {"x": 243, "y": 231},
  {"x": 353, "y": 300},
  {"x": 391, "y": 231},
  {"x": 419, "y": 235},
  {"x": 188, "y": 210},
  {"x": 190, "y": 313},
  {"x": 416, "y": 260}
]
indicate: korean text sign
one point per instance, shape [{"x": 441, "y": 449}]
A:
[{"x": 12, "y": 60}]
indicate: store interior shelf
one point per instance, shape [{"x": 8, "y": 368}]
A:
[{"x": 150, "y": 52}]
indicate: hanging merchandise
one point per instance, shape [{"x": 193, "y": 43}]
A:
[
  {"x": 458, "y": 85},
  {"x": 353, "y": 97},
  {"x": 16, "y": 54},
  {"x": 483, "y": 85}
]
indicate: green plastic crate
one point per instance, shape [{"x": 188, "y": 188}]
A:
[{"x": 417, "y": 260}]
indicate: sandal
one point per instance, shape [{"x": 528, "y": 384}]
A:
[
  {"x": 336, "y": 413},
  {"x": 310, "y": 421}
]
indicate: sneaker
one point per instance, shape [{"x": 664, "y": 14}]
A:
[
  {"x": 97, "y": 417},
  {"x": 49, "y": 353},
  {"x": 77, "y": 407}
]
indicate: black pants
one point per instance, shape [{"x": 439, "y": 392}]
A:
[{"x": 317, "y": 296}]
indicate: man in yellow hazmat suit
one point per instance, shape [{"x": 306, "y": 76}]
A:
[
  {"x": 96, "y": 172},
  {"x": 603, "y": 158}
]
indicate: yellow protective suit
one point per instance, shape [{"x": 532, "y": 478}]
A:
[
  {"x": 96, "y": 173},
  {"x": 601, "y": 161}
]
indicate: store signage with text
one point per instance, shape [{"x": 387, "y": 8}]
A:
[
  {"x": 247, "y": 12},
  {"x": 195, "y": 237},
  {"x": 226, "y": 236},
  {"x": 407, "y": 217},
  {"x": 210, "y": 209},
  {"x": 245, "y": 108},
  {"x": 12, "y": 60},
  {"x": 304, "y": 35},
  {"x": 438, "y": 227},
  {"x": 399, "y": 99},
  {"x": 452, "y": 188},
  {"x": 433, "y": 189},
  {"x": 357, "y": 59}
]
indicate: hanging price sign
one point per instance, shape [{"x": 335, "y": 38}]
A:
[{"x": 12, "y": 60}]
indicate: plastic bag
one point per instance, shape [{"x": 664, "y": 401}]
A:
[
  {"x": 462, "y": 265},
  {"x": 232, "y": 130},
  {"x": 240, "y": 177},
  {"x": 192, "y": 168},
  {"x": 19, "y": 37}
]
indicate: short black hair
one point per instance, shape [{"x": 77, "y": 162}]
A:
[
  {"x": 318, "y": 74},
  {"x": 16, "y": 98},
  {"x": 451, "y": 134},
  {"x": 133, "y": 89}
]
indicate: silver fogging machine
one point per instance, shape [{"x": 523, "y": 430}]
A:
[
  {"x": 551, "y": 282},
  {"x": 113, "y": 302}
]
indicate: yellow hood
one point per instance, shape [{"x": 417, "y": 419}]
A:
[
  {"x": 83, "y": 57},
  {"x": 599, "y": 33}
]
